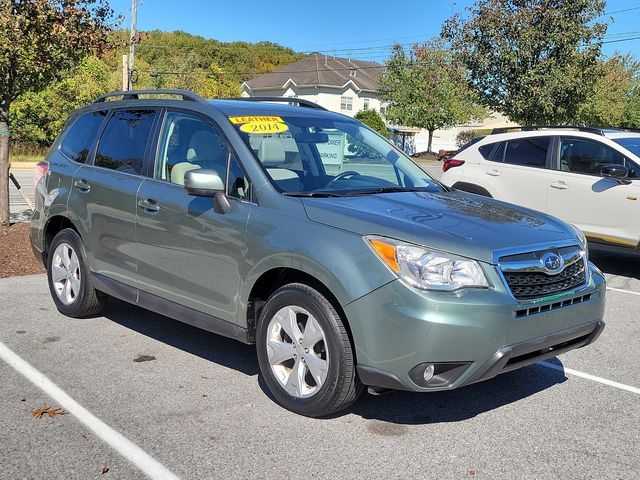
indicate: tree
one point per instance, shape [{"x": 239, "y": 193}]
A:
[
  {"x": 427, "y": 89},
  {"x": 39, "y": 41},
  {"x": 372, "y": 119},
  {"x": 535, "y": 61},
  {"x": 631, "y": 115},
  {"x": 606, "y": 105},
  {"x": 38, "y": 117}
]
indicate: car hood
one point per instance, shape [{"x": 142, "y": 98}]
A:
[{"x": 455, "y": 222}]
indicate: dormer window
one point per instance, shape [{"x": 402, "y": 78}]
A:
[{"x": 353, "y": 72}]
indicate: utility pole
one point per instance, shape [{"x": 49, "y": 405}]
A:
[
  {"x": 125, "y": 72},
  {"x": 132, "y": 42}
]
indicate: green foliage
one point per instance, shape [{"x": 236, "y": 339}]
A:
[
  {"x": 208, "y": 67},
  {"x": 607, "y": 104},
  {"x": 38, "y": 117},
  {"x": 631, "y": 115},
  {"x": 426, "y": 88},
  {"x": 163, "y": 60},
  {"x": 535, "y": 61},
  {"x": 372, "y": 119}
]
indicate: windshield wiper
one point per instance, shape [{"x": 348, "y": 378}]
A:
[
  {"x": 311, "y": 194},
  {"x": 385, "y": 190}
]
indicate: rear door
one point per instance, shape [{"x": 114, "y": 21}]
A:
[
  {"x": 103, "y": 198},
  {"x": 516, "y": 171},
  {"x": 603, "y": 208},
  {"x": 188, "y": 253}
]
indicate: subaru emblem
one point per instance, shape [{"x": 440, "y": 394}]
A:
[{"x": 552, "y": 262}]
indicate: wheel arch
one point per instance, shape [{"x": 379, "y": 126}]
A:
[
  {"x": 54, "y": 225},
  {"x": 472, "y": 188},
  {"x": 270, "y": 280}
]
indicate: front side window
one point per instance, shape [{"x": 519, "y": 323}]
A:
[
  {"x": 346, "y": 103},
  {"x": 187, "y": 143},
  {"x": 365, "y": 103},
  {"x": 528, "y": 152},
  {"x": 313, "y": 155},
  {"x": 124, "y": 141},
  {"x": 581, "y": 155},
  {"x": 79, "y": 138}
]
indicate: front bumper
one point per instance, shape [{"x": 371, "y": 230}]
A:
[{"x": 397, "y": 328}]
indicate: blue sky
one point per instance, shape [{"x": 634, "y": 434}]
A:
[{"x": 360, "y": 29}]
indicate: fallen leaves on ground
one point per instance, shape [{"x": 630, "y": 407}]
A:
[
  {"x": 46, "y": 410},
  {"x": 104, "y": 470}
]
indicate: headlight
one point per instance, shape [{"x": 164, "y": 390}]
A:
[
  {"x": 582, "y": 238},
  {"x": 427, "y": 269}
]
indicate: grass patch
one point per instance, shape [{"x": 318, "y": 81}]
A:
[{"x": 26, "y": 158}]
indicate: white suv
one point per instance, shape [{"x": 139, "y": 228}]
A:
[{"x": 586, "y": 176}]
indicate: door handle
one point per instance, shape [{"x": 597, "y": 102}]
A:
[
  {"x": 493, "y": 173},
  {"x": 559, "y": 185},
  {"x": 82, "y": 185},
  {"x": 149, "y": 206}
]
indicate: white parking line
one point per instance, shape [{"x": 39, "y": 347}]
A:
[
  {"x": 623, "y": 291},
  {"x": 138, "y": 457},
  {"x": 588, "y": 376}
]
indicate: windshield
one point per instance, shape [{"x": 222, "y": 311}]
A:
[
  {"x": 315, "y": 156},
  {"x": 630, "y": 143}
]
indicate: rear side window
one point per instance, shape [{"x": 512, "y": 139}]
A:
[
  {"x": 529, "y": 152},
  {"x": 124, "y": 141},
  {"x": 80, "y": 137},
  {"x": 493, "y": 151}
]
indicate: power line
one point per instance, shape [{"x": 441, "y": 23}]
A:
[{"x": 622, "y": 11}]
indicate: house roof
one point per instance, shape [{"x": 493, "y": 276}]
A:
[{"x": 321, "y": 70}]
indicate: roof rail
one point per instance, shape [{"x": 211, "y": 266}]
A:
[
  {"x": 529, "y": 128},
  {"x": 291, "y": 100},
  {"x": 135, "y": 95}
]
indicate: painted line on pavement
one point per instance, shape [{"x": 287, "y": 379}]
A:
[
  {"x": 129, "y": 450},
  {"x": 593, "y": 378},
  {"x": 623, "y": 291}
]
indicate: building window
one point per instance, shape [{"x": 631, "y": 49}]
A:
[
  {"x": 383, "y": 111},
  {"x": 366, "y": 104},
  {"x": 346, "y": 103},
  {"x": 353, "y": 72}
]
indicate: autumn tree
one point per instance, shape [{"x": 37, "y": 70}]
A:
[
  {"x": 536, "y": 61},
  {"x": 426, "y": 88},
  {"x": 39, "y": 41},
  {"x": 607, "y": 103}
]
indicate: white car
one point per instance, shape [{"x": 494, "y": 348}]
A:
[{"x": 586, "y": 176}]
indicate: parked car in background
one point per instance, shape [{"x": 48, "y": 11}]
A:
[
  {"x": 307, "y": 233},
  {"x": 588, "y": 177}
]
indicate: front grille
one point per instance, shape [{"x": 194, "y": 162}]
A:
[
  {"x": 525, "y": 285},
  {"x": 525, "y": 312}
]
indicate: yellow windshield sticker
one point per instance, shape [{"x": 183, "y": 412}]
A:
[
  {"x": 261, "y": 127},
  {"x": 254, "y": 119}
]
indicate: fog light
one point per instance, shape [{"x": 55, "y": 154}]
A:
[{"x": 428, "y": 372}]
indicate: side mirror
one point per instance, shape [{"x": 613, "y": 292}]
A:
[
  {"x": 207, "y": 183},
  {"x": 616, "y": 172}
]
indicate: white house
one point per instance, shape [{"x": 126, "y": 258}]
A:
[
  {"x": 347, "y": 86},
  {"x": 338, "y": 84}
]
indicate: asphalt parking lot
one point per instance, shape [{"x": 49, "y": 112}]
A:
[{"x": 157, "y": 396}]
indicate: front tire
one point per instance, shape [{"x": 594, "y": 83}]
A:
[
  {"x": 304, "y": 352},
  {"x": 68, "y": 276}
]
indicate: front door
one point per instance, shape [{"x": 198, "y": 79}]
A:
[
  {"x": 603, "y": 208},
  {"x": 188, "y": 253}
]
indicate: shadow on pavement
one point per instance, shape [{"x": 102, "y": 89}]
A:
[
  {"x": 462, "y": 404},
  {"x": 614, "y": 263},
  {"x": 212, "y": 347},
  {"x": 395, "y": 407}
]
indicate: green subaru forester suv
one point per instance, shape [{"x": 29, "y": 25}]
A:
[{"x": 276, "y": 222}]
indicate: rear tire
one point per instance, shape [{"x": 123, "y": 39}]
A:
[
  {"x": 312, "y": 375},
  {"x": 69, "y": 277}
]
